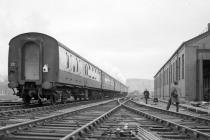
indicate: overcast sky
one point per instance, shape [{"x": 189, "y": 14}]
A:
[{"x": 126, "y": 38}]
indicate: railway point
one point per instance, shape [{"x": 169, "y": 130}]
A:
[{"x": 104, "y": 70}]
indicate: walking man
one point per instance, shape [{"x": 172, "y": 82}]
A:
[
  {"x": 174, "y": 97},
  {"x": 146, "y": 95}
]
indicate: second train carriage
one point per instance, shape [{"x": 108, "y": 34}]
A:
[{"x": 41, "y": 67}]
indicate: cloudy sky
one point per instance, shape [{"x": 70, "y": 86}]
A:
[{"x": 126, "y": 38}]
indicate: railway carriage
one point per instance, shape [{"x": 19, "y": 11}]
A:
[
  {"x": 117, "y": 86},
  {"x": 41, "y": 67}
]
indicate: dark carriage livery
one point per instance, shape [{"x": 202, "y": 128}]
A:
[{"x": 41, "y": 67}]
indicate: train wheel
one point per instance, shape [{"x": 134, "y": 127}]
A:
[
  {"x": 63, "y": 97},
  {"x": 40, "y": 102},
  {"x": 52, "y": 99},
  {"x": 26, "y": 100},
  {"x": 78, "y": 98},
  {"x": 86, "y": 95},
  {"x": 63, "y": 101}
]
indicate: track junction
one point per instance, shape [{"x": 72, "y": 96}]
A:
[{"x": 110, "y": 119}]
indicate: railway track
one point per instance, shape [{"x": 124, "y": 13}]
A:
[
  {"x": 188, "y": 110},
  {"x": 195, "y": 127},
  {"x": 110, "y": 120},
  {"x": 11, "y": 107},
  {"x": 7, "y": 106},
  {"x": 11, "y": 117},
  {"x": 6, "y": 103},
  {"x": 21, "y": 106},
  {"x": 140, "y": 125},
  {"x": 183, "y": 110},
  {"x": 58, "y": 125}
]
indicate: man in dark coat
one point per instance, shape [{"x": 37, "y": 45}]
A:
[
  {"x": 174, "y": 97},
  {"x": 146, "y": 95}
]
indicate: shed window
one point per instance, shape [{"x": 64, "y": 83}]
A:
[
  {"x": 182, "y": 66},
  {"x": 170, "y": 73},
  {"x": 166, "y": 76},
  {"x": 176, "y": 70},
  {"x": 179, "y": 68},
  {"x": 163, "y": 77}
]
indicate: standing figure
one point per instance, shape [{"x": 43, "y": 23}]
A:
[
  {"x": 174, "y": 97},
  {"x": 146, "y": 95}
]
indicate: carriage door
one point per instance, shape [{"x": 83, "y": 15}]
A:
[{"x": 31, "y": 61}]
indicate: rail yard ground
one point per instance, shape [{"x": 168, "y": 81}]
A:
[
  {"x": 122, "y": 118},
  {"x": 200, "y": 107}
]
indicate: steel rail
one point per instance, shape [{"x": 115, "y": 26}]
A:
[
  {"x": 195, "y": 133},
  {"x": 20, "y": 126},
  {"x": 42, "y": 108},
  {"x": 94, "y": 124},
  {"x": 10, "y": 103},
  {"x": 12, "y": 107},
  {"x": 90, "y": 126},
  {"x": 144, "y": 135},
  {"x": 205, "y": 120}
]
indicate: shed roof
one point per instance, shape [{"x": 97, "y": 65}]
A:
[{"x": 196, "y": 38}]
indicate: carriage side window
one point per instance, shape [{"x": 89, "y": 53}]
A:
[
  {"x": 95, "y": 74},
  {"x": 70, "y": 62},
  {"x": 73, "y": 68},
  {"x": 78, "y": 69},
  {"x": 89, "y": 72},
  {"x": 77, "y": 65},
  {"x": 67, "y": 62},
  {"x": 86, "y": 69}
]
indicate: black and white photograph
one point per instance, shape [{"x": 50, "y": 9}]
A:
[{"x": 104, "y": 70}]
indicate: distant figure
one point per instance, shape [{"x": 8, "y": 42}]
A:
[
  {"x": 146, "y": 95},
  {"x": 174, "y": 97}
]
